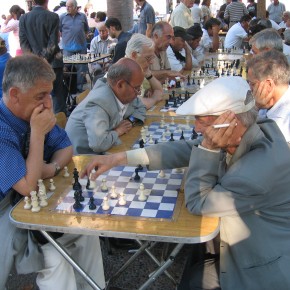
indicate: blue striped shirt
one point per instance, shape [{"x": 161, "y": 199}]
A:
[{"x": 12, "y": 137}]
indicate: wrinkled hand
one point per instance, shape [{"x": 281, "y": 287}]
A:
[
  {"x": 42, "y": 120},
  {"x": 221, "y": 138},
  {"x": 123, "y": 127},
  {"x": 264, "y": 97}
]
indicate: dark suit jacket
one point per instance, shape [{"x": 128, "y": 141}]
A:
[{"x": 39, "y": 33}]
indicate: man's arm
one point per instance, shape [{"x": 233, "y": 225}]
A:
[
  {"x": 149, "y": 29},
  {"x": 24, "y": 43},
  {"x": 188, "y": 58},
  {"x": 162, "y": 75}
]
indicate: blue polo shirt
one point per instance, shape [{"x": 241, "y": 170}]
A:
[
  {"x": 73, "y": 30},
  {"x": 147, "y": 15},
  {"x": 3, "y": 60},
  {"x": 12, "y": 138}
]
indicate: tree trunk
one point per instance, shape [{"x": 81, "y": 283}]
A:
[
  {"x": 261, "y": 7},
  {"x": 123, "y": 10}
]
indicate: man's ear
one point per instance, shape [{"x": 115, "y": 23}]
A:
[
  {"x": 134, "y": 54},
  {"x": 14, "y": 95}
]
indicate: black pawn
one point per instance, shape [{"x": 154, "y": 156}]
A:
[
  {"x": 193, "y": 81},
  {"x": 171, "y": 137},
  {"x": 80, "y": 194},
  {"x": 136, "y": 177},
  {"x": 88, "y": 184},
  {"x": 182, "y": 136},
  {"x": 141, "y": 143},
  {"x": 140, "y": 167},
  {"x": 77, "y": 204},
  {"x": 156, "y": 141},
  {"x": 188, "y": 80},
  {"x": 92, "y": 205}
]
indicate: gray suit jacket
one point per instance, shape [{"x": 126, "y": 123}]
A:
[
  {"x": 252, "y": 197},
  {"x": 91, "y": 125}
]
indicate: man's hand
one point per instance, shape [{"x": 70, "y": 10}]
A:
[
  {"x": 42, "y": 120},
  {"x": 216, "y": 138},
  {"x": 123, "y": 127},
  {"x": 263, "y": 95},
  {"x": 103, "y": 163},
  {"x": 172, "y": 74}
]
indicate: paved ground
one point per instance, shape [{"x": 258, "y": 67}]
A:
[{"x": 135, "y": 275}]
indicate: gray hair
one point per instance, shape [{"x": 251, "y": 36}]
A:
[
  {"x": 286, "y": 13},
  {"x": 119, "y": 71},
  {"x": 24, "y": 71},
  {"x": 158, "y": 28},
  {"x": 137, "y": 43},
  {"x": 248, "y": 118},
  {"x": 267, "y": 39},
  {"x": 270, "y": 64},
  {"x": 74, "y": 3}
]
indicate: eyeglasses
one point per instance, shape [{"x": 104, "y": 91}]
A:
[
  {"x": 137, "y": 90},
  {"x": 149, "y": 58}
]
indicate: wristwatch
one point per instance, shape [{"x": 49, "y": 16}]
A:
[{"x": 57, "y": 168}]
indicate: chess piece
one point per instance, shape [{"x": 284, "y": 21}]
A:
[
  {"x": 162, "y": 123},
  {"x": 76, "y": 184},
  {"x": 187, "y": 120},
  {"x": 41, "y": 186},
  {"x": 66, "y": 173},
  {"x": 122, "y": 199},
  {"x": 77, "y": 205},
  {"x": 142, "y": 196},
  {"x": 105, "y": 204},
  {"x": 161, "y": 174},
  {"x": 136, "y": 177},
  {"x": 92, "y": 182},
  {"x": 151, "y": 141},
  {"x": 194, "y": 135},
  {"x": 141, "y": 143},
  {"x": 182, "y": 136},
  {"x": 178, "y": 170},
  {"x": 34, "y": 202},
  {"x": 172, "y": 121},
  {"x": 140, "y": 167},
  {"x": 51, "y": 185},
  {"x": 171, "y": 137},
  {"x": 104, "y": 187},
  {"x": 92, "y": 205},
  {"x": 42, "y": 199},
  {"x": 167, "y": 132},
  {"x": 27, "y": 204},
  {"x": 113, "y": 192},
  {"x": 163, "y": 138}
]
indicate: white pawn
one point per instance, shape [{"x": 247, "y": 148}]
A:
[
  {"x": 41, "y": 186},
  {"x": 172, "y": 121},
  {"x": 163, "y": 138},
  {"x": 104, "y": 187},
  {"x": 66, "y": 173},
  {"x": 27, "y": 203},
  {"x": 92, "y": 181},
  {"x": 51, "y": 185},
  {"x": 161, "y": 174},
  {"x": 162, "y": 123},
  {"x": 113, "y": 192},
  {"x": 42, "y": 199},
  {"x": 34, "y": 202},
  {"x": 105, "y": 204},
  {"x": 151, "y": 141},
  {"x": 122, "y": 199},
  {"x": 142, "y": 196}
]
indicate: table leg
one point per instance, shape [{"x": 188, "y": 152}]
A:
[
  {"x": 163, "y": 267},
  {"x": 63, "y": 252}
]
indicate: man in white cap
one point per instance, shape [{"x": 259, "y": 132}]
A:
[{"x": 229, "y": 177}]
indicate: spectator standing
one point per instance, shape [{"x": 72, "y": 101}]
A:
[
  {"x": 221, "y": 15},
  {"x": 285, "y": 17},
  {"x": 196, "y": 12},
  {"x": 4, "y": 57},
  {"x": 11, "y": 26},
  {"x": 39, "y": 34},
  {"x": 276, "y": 10},
  {"x": 234, "y": 11},
  {"x": 252, "y": 8},
  {"x": 146, "y": 17},
  {"x": 181, "y": 15},
  {"x": 205, "y": 8},
  {"x": 73, "y": 28}
]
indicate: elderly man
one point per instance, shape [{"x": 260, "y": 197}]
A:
[
  {"x": 109, "y": 111},
  {"x": 268, "y": 77},
  {"x": 238, "y": 33},
  {"x": 177, "y": 60},
  {"x": 285, "y": 17},
  {"x": 141, "y": 49},
  {"x": 35, "y": 148},
  {"x": 73, "y": 28},
  {"x": 181, "y": 15},
  {"x": 229, "y": 177},
  {"x": 276, "y": 10},
  {"x": 162, "y": 36}
]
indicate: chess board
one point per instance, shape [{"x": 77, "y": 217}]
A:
[
  {"x": 156, "y": 132},
  {"x": 84, "y": 58},
  {"x": 162, "y": 194}
]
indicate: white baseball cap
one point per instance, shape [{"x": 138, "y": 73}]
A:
[{"x": 222, "y": 94}]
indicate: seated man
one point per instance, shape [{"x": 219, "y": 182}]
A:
[
  {"x": 174, "y": 51},
  {"x": 109, "y": 110},
  {"x": 115, "y": 31},
  {"x": 162, "y": 35},
  {"x": 195, "y": 32},
  {"x": 269, "y": 76},
  {"x": 32, "y": 148},
  {"x": 141, "y": 49},
  {"x": 238, "y": 33},
  {"x": 4, "y": 57},
  {"x": 229, "y": 177},
  {"x": 210, "y": 36},
  {"x": 100, "y": 45}
]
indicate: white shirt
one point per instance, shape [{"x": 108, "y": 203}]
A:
[
  {"x": 286, "y": 49},
  {"x": 275, "y": 25},
  {"x": 196, "y": 13},
  {"x": 181, "y": 16},
  {"x": 205, "y": 42},
  {"x": 280, "y": 113},
  {"x": 175, "y": 64},
  {"x": 235, "y": 36}
]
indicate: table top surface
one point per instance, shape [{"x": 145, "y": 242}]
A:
[
  {"x": 182, "y": 228},
  {"x": 84, "y": 58}
]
